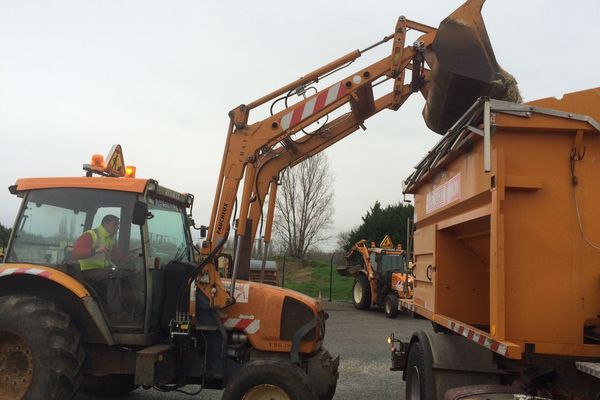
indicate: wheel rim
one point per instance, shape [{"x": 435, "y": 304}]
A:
[
  {"x": 357, "y": 292},
  {"x": 266, "y": 392},
  {"x": 16, "y": 366},
  {"x": 415, "y": 384},
  {"x": 388, "y": 308}
]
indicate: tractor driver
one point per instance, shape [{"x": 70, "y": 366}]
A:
[{"x": 96, "y": 251}]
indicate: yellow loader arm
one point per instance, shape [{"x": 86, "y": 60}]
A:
[{"x": 256, "y": 153}]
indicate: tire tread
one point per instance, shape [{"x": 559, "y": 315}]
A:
[{"x": 55, "y": 341}]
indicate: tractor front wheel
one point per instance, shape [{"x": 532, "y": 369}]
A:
[
  {"x": 269, "y": 379},
  {"x": 361, "y": 292},
  {"x": 391, "y": 306},
  {"x": 40, "y": 352}
]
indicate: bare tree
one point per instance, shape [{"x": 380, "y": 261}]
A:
[{"x": 304, "y": 205}]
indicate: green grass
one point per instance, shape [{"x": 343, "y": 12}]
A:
[{"x": 312, "y": 278}]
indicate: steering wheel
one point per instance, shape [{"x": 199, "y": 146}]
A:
[
  {"x": 134, "y": 251},
  {"x": 122, "y": 271}
]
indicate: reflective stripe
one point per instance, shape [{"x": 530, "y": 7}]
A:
[
  {"x": 247, "y": 325},
  {"x": 29, "y": 271},
  {"x": 482, "y": 340}
]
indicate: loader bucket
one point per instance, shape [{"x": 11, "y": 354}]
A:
[{"x": 463, "y": 68}]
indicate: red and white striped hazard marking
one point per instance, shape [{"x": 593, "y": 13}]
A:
[
  {"x": 248, "y": 325},
  {"x": 28, "y": 271},
  {"x": 484, "y": 341},
  {"x": 408, "y": 305},
  {"x": 313, "y": 105}
]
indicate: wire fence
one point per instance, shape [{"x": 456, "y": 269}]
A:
[{"x": 315, "y": 278}]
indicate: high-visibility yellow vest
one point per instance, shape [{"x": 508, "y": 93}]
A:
[{"x": 100, "y": 237}]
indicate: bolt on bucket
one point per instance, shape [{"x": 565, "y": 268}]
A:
[{"x": 463, "y": 68}]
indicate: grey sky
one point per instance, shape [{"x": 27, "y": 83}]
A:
[{"x": 159, "y": 78}]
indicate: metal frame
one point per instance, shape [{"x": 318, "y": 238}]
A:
[{"x": 478, "y": 120}]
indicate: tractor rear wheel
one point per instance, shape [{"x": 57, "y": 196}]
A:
[
  {"x": 269, "y": 379},
  {"x": 361, "y": 292},
  {"x": 40, "y": 352},
  {"x": 390, "y": 305}
]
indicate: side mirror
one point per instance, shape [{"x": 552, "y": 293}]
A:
[
  {"x": 140, "y": 213},
  {"x": 203, "y": 229}
]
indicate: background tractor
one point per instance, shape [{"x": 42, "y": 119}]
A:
[{"x": 381, "y": 276}]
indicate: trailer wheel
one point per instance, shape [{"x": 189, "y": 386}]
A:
[
  {"x": 269, "y": 379},
  {"x": 479, "y": 391},
  {"x": 391, "y": 305},
  {"x": 419, "y": 376},
  {"x": 40, "y": 352},
  {"x": 108, "y": 385},
  {"x": 361, "y": 292}
]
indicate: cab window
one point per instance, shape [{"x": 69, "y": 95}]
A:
[
  {"x": 392, "y": 262},
  {"x": 167, "y": 232},
  {"x": 51, "y": 221}
]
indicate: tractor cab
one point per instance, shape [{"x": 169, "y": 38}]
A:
[
  {"x": 386, "y": 259},
  {"x": 153, "y": 231},
  {"x": 389, "y": 264}
]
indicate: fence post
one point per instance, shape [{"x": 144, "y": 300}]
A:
[
  {"x": 283, "y": 272},
  {"x": 331, "y": 276}
]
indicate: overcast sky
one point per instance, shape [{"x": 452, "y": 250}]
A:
[{"x": 160, "y": 77}]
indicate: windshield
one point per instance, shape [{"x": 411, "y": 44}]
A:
[
  {"x": 167, "y": 232},
  {"x": 392, "y": 262},
  {"x": 52, "y": 220}
]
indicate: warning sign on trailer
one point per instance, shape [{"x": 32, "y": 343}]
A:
[{"x": 443, "y": 195}]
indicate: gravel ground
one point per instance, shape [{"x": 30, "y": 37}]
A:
[{"x": 359, "y": 337}]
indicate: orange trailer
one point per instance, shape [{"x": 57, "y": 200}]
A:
[{"x": 507, "y": 253}]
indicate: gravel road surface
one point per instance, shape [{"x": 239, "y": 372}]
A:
[{"x": 359, "y": 337}]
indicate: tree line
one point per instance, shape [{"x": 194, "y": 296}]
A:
[
  {"x": 377, "y": 223},
  {"x": 305, "y": 212}
]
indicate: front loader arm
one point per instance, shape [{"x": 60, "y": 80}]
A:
[
  {"x": 270, "y": 166},
  {"x": 257, "y": 152}
]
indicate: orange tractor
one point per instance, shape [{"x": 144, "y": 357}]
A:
[
  {"x": 381, "y": 276},
  {"x": 57, "y": 330},
  {"x": 182, "y": 323}
]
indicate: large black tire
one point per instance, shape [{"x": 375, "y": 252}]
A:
[
  {"x": 269, "y": 379},
  {"x": 361, "y": 292},
  {"x": 481, "y": 391},
  {"x": 390, "y": 306},
  {"x": 330, "y": 393},
  {"x": 40, "y": 353},
  {"x": 419, "y": 375},
  {"x": 108, "y": 385}
]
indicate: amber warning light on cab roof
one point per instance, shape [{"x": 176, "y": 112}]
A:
[{"x": 114, "y": 165}]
